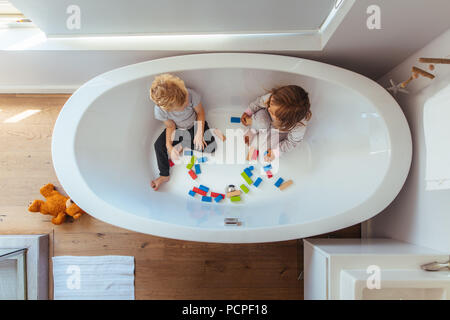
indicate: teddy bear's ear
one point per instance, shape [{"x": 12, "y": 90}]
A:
[{"x": 69, "y": 202}]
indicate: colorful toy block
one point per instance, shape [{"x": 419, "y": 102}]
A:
[
  {"x": 255, "y": 154},
  {"x": 171, "y": 164},
  {"x": 199, "y": 191},
  {"x": 189, "y": 166},
  {"x": 197, "y": 169},
  {"x": 286, "y": 184},
  {"x": 235, "y": 120},
  {"x": 268, "y": 153},
  {"x": 246, "y": 178},
  {"x": 192, "y": 174},
  {"x": 193, "y": 158},
  {"x": 192, "y": 193},
  {"x": 204, "y": 188},
  {"x": 233, "y": 193},
  {"x": 244, "y": 188},
  {"x": 206, "y": 199},
  {"x": 248, "y": 172},
  {"x": 218, "y": 198},
  {"x": 215, "y": 195},
  {"x": 235, "y": 198},
  {"x": 257, "y": 182},
  {"x": 279, "y": 182},
  {"x": 269, "y": 174},
  {"x": 188, "y": 152},
  {"x": 251, "y": 168},
  {"x": 267, "y": 168},
  {"x": 202, "y": 159}
]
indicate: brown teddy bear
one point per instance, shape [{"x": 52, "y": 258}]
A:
[{"x": 55, "y": 204}]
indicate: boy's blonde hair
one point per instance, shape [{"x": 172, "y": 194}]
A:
[{"x": 168, "y": 91}]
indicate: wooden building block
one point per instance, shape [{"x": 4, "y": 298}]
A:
[
  {"x": 286, "y": 184},
  {"x": 233, "y": 193}
]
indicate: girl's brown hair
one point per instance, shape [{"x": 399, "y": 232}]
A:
[{"x": 293, "y": 103}]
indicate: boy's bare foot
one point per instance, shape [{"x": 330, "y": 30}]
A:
[{"x": 158, "y": 182}]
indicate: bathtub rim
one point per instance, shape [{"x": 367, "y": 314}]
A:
[{"x": 68, "y": 173}]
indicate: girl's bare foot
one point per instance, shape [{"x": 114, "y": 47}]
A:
[{"x": 158, "y": 182}]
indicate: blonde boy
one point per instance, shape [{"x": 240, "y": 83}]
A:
[{"x": 181, "y": 110}]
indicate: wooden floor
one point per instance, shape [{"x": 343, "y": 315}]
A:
[{"x": 165, "y": 269}]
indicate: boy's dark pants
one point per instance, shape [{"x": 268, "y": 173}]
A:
[{"x": 186, "y": 137}]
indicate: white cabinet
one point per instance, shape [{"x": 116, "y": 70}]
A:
[{"x": 339, "y": 269}]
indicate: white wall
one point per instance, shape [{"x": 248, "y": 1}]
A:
[
  {"x": 176, "y": 16},
  {"x": 62, "y": 71},
  {"x": 418, "y": 216},
  {"x": 407, "y": 25}
]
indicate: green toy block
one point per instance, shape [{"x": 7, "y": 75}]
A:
[
  {"x": 193, "y": 158},
  {"x": 235, "y": 198},
  {"x": 189, "y": 166},
  {"x": 246, "y": 178},
  {"x": 244, "y": 188}
]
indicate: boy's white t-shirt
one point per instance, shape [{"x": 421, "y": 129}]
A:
[{"x": 183, "y": 119}]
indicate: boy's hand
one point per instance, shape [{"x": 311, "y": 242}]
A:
[
  {"x": 269, "y": 156},
  {"x": 174, "y": 154},
  {"x": 199, "y": 141},
  {"x": 246, "y": 119}
]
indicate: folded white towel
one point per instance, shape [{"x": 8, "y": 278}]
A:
[{"x": 93, "y": 278}]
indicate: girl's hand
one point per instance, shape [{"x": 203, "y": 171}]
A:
[
  {"x": 174, "y": 154},
  {"x": 246, "y": 119},
  {"x": 199, "y": 141},
  {"x": 269, "y": 157}
]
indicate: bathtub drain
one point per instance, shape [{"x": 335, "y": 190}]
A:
[{"x": 232, "y": 222}]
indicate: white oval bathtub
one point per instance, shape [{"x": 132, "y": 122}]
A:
[{"x": 352, "y": 164}]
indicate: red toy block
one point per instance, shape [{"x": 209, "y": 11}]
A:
[
  {"x": 255, "y": 154},
  {"x": 199, "y": 191},
  {"x": 171, "y": 163},
  {"x": 192, "y": 174},
  {"x": 269, "y": 174},
  {"x": 214, "y": 195}
]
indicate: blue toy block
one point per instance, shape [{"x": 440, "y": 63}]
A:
[
  {"x": 235, "y": 120},
  {"x": 197, "y": 169},
  {"x": 202, "y": 159},
  {"x": 204, "y": 188},
  {"x": 267, "y": 168},
  {"x": 206, "y": 199},
  {"x": 248, "y": 172},
  {"x": 188, "y": 152},
  {"x": 257, "y": 182},
  {"x": 279, "y": 182},
  {"x": 218, "y": 198},
  {"x": 191, "y": 193},
  {"x": 251, "y": 168}
]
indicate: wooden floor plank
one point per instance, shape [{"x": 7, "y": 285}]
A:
[{"x": 165, "y": 268}]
